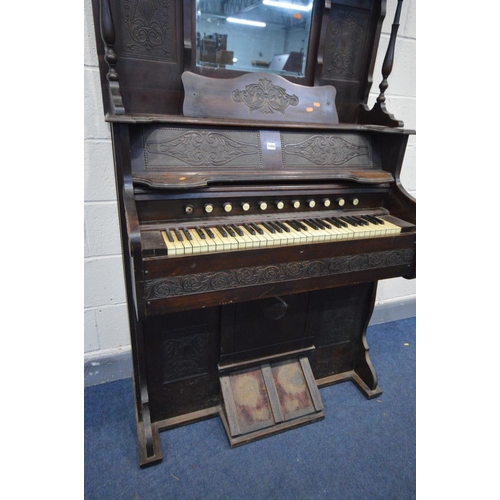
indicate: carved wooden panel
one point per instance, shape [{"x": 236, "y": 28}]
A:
[
  {"x": 346, "y": 38},
  {"x": 175, "y": 148},
  {"x": 258, "y": 96},
  {"x": 193, "y": 284},
  {"x": 184, "y": 352},
  {"x": 148, "y": 29},
  {"x": 302, "y": 150}
]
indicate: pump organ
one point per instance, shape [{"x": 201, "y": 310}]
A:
[{"x": 260, "y": 202}]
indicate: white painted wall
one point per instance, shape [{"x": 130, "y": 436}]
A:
[{"x": 106, "y": 324}]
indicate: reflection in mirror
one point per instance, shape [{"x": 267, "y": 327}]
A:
[{"x": 253, "y": 35}]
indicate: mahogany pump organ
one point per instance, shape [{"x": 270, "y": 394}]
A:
[{"x": 260, "y": 202}]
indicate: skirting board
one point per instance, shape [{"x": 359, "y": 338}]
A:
[{"x": 108, "y": 368}]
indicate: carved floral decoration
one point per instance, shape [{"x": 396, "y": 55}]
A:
[
  {"x": 265, "y": 97},
  {"x": 202, "y": 148},
  {"x": 326, "y": 150}
]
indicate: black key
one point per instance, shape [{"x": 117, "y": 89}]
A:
[
  {"x": 360, "y": 221},
  {"x": 210, "y": 232},
  {"x": 381, "y": 221},
  {"x": 268, "y": 227},
  {"x": 249, "y": 228},
  {"x": 178, "y": 234},
  {"x": 222, "y": 231},
  {"x": 201, "y": 234},
  {"x": 257, "y": 228},
  {"x": 293, "y": 225},
  {"x": 369, "y": 219},
  {"x": 230, "y": 230},
  {"x": 296, "y": 225},
  {"x": 169, "y": 236},
  {"x": 276, "y": 227},
  {"x": 322, "y": 224},
  {"x": 334, "y": 222},
  {"x": 237, "y": 230},
  {"x": 285, "y": 228},
  {"x": 349, "y": 221},
  {"x": 301, "y": 226},
  {"x": 187, "y": 233},
  {"x": 310, "y": 224}
]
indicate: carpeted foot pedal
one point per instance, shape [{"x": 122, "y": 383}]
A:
[{"x": 269, "y": 398}]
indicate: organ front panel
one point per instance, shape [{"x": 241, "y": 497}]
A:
[{"x": 260, "y": 203}]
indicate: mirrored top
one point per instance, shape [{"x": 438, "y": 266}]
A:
[{"x": 253, "y": 35}]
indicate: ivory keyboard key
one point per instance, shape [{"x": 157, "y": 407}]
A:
[
  {"x": 169, "y": 242},
  {"x": 241, "y": 237},
  {"x": 275, "y": 240},
  {"x": 266, "y": 239},
  {"x": 197, "y": 243},
  {"x": 224, "y": 237},
  {"x": 299, "y": 236},
  {"x": 219, "y": 244},
  {"x": 177, "y": 243},
  {"x": 208, "y": 240},
  {"x": 391, "y": 228},
  {"x": 235, "y": 244},
  {"x": 331, "y": 230}
]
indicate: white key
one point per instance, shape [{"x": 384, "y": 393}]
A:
[
  {"x": 334, "y": 233},
  {"x": 287, "y": 236},
  {"x": 242, "y": 239},
  {"x": 176, "y": 247},
  {"x": 195, "y": 241},
  {"x": 171, "y": 247},
  {"x": 265, "y": 237},
  {"x": 217, "y": 239},
  {"x": 299, "y": 237},
  {"x": 188, "y": 248},
  {"x": 233, "y": 242},
  {"x": 275, "y": 239},
  {"x": 253, "y": 240},
  {"x": 390, "y": 227}
]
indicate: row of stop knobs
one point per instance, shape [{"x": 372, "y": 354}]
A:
[{"x": 280, "y": 205}]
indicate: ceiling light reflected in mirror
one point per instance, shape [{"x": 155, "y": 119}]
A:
[{"x": 253, "y": 35}]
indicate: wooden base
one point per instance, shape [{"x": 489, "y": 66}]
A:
[
  {"x": 154, "y": 455},
  {"x": 354, "y": 377}
]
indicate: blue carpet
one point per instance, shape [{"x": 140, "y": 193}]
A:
[{"x": 363, "y": 449}]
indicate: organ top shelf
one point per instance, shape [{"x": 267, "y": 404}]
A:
[{"x": 138, "y": 119}]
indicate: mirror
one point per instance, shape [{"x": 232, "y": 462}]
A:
[{"x": 253, "y": 35}]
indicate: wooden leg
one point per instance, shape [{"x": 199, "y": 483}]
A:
[{"x": 364, "y": 375}]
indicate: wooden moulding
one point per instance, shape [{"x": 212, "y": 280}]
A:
[{"x": 258, "y": 96}]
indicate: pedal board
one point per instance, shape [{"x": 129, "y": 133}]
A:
[{"x": 269, "y": 398}]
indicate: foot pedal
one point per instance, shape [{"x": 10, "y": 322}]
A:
[{"x": 269, "y": 398}]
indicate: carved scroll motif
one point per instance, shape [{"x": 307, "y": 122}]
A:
[
  {"x": 327, "y": 150},
  {"x": 202, "y": 148},
  {"x": 149, "y": 28},
  {"x": 265, "y": 97},
  {"x": 347, "y": 32},
  {"x": 260, "y": 275}
]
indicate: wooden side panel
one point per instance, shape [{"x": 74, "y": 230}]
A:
[
  {"x": 350, "y": 36},
  {"x": 337, "y": 316},
  {"x": 182, "y": 352},
  {"x": 149, "y": 53}
]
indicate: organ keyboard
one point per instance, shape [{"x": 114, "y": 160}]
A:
[
  {"x": 257, "y": 210},
  {"x": 241, "y": 235}
]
